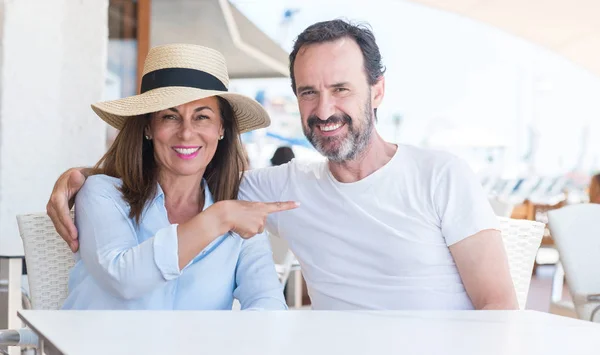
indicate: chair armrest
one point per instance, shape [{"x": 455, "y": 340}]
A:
[
  {"x": 9, "y": 337},
  {"x": 593, "y": 298},
  {"x": 18, "y": 337},
  {"x": 590, "y": 298}
]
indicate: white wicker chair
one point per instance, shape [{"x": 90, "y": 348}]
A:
[
  {"x": 48, "y": 259},
  {"x": 576, "y": 232},
  {"x": 522, "y": 239}
]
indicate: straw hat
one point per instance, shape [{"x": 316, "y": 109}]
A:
[{"x": 176, "y": 74}]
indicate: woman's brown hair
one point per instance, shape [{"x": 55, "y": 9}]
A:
[{"x": 131, "y": 159}]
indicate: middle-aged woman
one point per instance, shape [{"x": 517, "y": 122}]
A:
[{"x": 158, "y": 220}]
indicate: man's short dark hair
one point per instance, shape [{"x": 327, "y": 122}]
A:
[{"x": 329, "y": 31}]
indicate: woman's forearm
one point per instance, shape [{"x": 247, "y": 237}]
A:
[{"x": 196, "y": 234}]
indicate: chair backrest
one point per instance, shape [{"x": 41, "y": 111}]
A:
[
  {"x": 540, "y": 211},
  {"x": 522, "y": 240},
  {"x": 501, "y": 208},
  {"x": 48, "y": 259},
  {"x": 576, "y": 232},
  {"x": 282, "y": 257}
]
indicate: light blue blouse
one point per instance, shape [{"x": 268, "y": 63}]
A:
[{"x": 125, "y": 265}]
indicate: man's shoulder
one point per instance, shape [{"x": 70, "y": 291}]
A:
[
  {"x": 308, "y": 168},
  {"x": 287, "y": 171},
  {"x": 426, "y": 159},
  {"x": 269, "y": 184}
]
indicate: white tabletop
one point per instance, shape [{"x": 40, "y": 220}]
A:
[{"x": 313, "y": 332}]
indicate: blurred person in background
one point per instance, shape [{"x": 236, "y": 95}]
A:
[
  {"x": 594, "y": 191},
  {"x": 282, "y": 155}
]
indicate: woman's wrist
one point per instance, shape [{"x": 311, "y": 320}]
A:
[{"x": 216, "y": 219}]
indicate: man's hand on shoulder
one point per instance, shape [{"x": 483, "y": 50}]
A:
[{"x": 61, "y": 201}]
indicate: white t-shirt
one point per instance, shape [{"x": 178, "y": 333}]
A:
[{"x": 381, "y": 242}]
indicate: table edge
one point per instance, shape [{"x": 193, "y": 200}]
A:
[{"x": 37, "y": 332}]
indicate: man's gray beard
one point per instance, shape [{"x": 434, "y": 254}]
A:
[{"x": 352, "y": 146}]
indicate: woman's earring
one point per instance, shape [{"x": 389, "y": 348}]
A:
[
  {"x": 221, "y": 138},
  {"x": 148, "y": 137}
]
